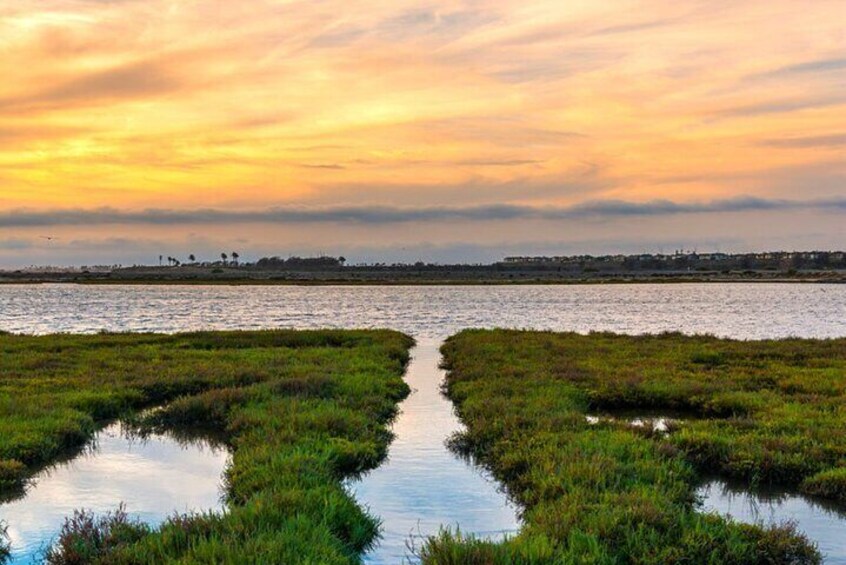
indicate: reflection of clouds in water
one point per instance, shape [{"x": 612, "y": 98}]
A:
[
  {"x": 155, "y": 476},
  {"x": 823, "y": 523},
  {"x": 15, "y": 536},
  {"x": 424, "y": 486}
]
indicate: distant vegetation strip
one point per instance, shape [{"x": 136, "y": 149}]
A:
[
  {"x": 676, "y": 261},
  {"x": 301, "y": 411},
  {"x": 479, "y": 277},
  {"x": 606, "y": 492}
]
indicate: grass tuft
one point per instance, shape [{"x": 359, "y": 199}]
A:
[
  {"x": 12, "y": 474},
  {"x": 829, "y": 484}
]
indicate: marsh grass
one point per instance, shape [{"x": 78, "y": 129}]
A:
[
  {"x": 300, "y": 411},
  {"x": 769, "y": 412}
]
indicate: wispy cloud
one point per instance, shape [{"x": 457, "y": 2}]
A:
[
  {"x": 634, "y": 27},
  {"x": 129, "y": 81},
  {"x": 834, "y": 140},
  {"x": 808, "y": 67},
  {"x": 784, "y": 106}
]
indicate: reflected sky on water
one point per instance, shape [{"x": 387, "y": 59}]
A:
[
  {"x": 423, "y": 485},
  {"x": 155, "y": 477},
  {"x": 822, "y": 522}
]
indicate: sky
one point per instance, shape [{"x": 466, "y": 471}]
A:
[{"x": 409, "y": 130}]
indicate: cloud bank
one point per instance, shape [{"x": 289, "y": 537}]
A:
[{"x": 389, "y": 215}]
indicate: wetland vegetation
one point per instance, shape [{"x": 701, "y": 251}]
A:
[
  {"x": 301, "y": 411},
  {"x": 304, "y": 411},
  {"x": 765, "y": 412}
]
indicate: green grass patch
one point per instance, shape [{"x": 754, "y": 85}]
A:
[
  {"x": 301, "y": 412},
  {"x": 829, "y": 484},
  {"x": 766, "y": 412}
]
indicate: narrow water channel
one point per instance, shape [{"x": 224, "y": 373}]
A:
[
  {"x": 154, "y": 476},
  {"x": 423, "y": 486}
]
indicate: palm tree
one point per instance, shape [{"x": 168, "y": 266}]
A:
[
  {"x": 192, "y": 258},
  {"x": 235, "y": 257},
  {"x": 225, "y": 257}
]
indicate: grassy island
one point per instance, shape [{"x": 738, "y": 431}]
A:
[
  {"x": 603, "y": 491},
  {"x": 300, "y": 411}
]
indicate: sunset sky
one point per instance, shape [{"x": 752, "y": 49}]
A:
[{"x": 413, "y": 129}]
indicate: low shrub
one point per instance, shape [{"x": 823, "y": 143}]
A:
[{"x": 86, "y": 538}]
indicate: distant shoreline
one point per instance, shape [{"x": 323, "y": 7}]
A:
[
  {"x": 678, "y": 268},
  {"x": 78, "y": 279}
]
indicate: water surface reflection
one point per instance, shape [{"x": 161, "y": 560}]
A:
[
  {"x": 744, "y": 311},
  {"x": 423, "y": 485},
  {"x": 822, "y": 522},
  {"x": 155, "y": 476}
]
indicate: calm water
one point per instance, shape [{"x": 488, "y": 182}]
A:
[
  {"x": 155, "y": 477},
  {"x": 423, "y": 485},
  {"x": 824, "y": 524},
  {"x": 733, "y": 310}
]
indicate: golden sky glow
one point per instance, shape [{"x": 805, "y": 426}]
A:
[{"x": 187, "y": 104}]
